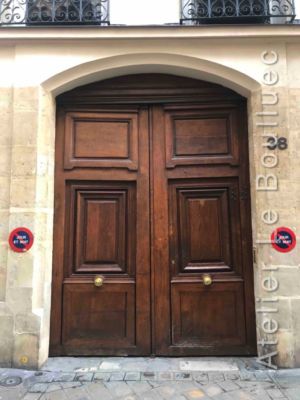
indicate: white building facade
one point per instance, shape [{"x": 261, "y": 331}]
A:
[{"x": 256, "y": 59}]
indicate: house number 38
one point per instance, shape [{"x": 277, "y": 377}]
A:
[{"x": 280, "y": 143}]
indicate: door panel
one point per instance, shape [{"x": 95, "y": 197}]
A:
[
  {"x": 217, "y": 144},
  {"x": 99, "y": 319},
  {"x": 201, "y": 236},
  {"x": 102, "y": 222},
  {"x": 101, "y": 140},
  {"x": 199, "y": 314}
]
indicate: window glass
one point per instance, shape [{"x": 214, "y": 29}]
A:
[{"x": 144, "y": 12}]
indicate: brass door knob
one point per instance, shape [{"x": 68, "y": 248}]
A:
[
  {"x": 207, "y": 280},
  {"x": 98, "y": 281}
]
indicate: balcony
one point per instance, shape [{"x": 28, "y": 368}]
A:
[
  {"x": 97, "y": 12},
  {"x": 237, "y": 11},
  {"x": 54, "y": 12}
]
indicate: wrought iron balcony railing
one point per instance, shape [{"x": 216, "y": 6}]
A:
[
  {"x": 237, "y": 11},
  {"x": 54, "y": 12},
  {"x": 96, "y": 12}
]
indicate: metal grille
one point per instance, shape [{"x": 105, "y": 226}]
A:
[
  {"x": 206, "y": 11},
  {"x": 54, "y": 12}
]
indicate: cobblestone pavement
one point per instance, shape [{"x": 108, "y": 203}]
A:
[{"x": 150, "y": 379}]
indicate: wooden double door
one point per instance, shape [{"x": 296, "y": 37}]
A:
[{"x": 152, "y": 204}]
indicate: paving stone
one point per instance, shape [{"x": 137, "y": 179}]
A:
[
  {"x": 102, "y": 376},
  {"x": 263, "y": 376},
  {"x": 212, "y": 390},
  {"x": 167, "y": 391},
  {"x": 292, "y": 394},
  {"x": 155, "y": 384},
  {"x": 152, "y": 395},
  {"x": 232, "y": 376},
  {"x": 59, "y": 395},
  {"x": 78, "y": 393},
  {"x": 224, "y": 396},
  {"x": 260, "y": 393},
  {"x": 136, "y": 365},
  {"x": 195, "y": 394},
  {"x": 64, "y": 378},
  {"x": 216, "y": 365},
  {"x": 118, "y": 388},
  {"x": 117, "y": 376},
  {"x": 11, "y": 394},
  {"x": 98, "y": 391},
  {"x": 139, "y": 387},
  {"x": 242, "y": 395},
  {"x": 182, "y": 376},
  {"x": 132, "y": 376},
  {"x": 165, "y": 376},
  {"x": 53, "y": 387},
  {"x": 283, "y": 372},
  {"x": 275, "y": 394},
  {"x": 93, "y": 369},
  {"x": 253, "y": 384},
  {"x": 82, "y": 370},
  {"x": 38, "y": 388},
  {"x": 159, "y": 365},
  {"x": 215, "y": 377},
  {"x": 110, "y": 366},
  {"x": 200, "y": 376},
  {"x": 30, "y": 396},
  {"x": 247, "y": 376},
  {"x": 179, "y": 397},
  {"x": 182, "y": 386},
  {"x": 288, "y": 381},
  {"x": 68, "y": 385},
  {"x": 145, "y": 376},
  {"x": 228, "y": 386},
  {"x": 88, "y": 377},
  {"x": 44, "y": 377}
]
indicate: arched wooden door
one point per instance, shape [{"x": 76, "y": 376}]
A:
[{"x": 152, "y": 198}]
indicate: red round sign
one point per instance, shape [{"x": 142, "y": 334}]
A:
[
  {"x": 21, "y": 240},
  {"x": 283, "y": 239}
]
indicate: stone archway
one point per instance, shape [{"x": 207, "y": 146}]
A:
[{"x": 89, "y": 72}]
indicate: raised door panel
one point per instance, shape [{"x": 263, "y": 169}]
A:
[
  {"x": 207, "y": 317},
  {"x": 204, "y": 227},
  {"x": 102, "y": 236},
  {"x": 201, "y": 136},
  {"x": 99, "y": 318},
  {"x": 101, "y": 140},
  {"x": 213, "y": 138}
]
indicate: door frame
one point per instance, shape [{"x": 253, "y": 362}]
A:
[{"x": 151, "y": 89}]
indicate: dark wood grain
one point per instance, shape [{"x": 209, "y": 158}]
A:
[
  {"x": 201, "y": 135},
  {"x": 148, "y": 185},
  {"x": 101, "y": 228},
  {"x": 101, "y": 139}
]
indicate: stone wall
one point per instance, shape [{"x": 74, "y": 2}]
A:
[{"x": 34, "y": 70}]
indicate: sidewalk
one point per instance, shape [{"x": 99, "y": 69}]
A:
[{"x": 150, "y": 379}]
